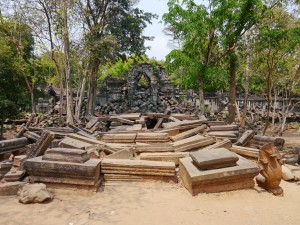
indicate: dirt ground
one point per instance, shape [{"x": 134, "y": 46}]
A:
[
  {"x": 148, "y": 204},
  {"x": 160, "y": 204}
]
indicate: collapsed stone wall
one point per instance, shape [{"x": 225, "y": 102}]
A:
[{"x": 145, "y": 88}]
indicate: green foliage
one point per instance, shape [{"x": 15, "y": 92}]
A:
[
  {"x": 143, "y": 82},
  {"x": 121, "y": 67}
]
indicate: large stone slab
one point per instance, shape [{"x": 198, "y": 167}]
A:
[
  {"x": 189, "y": 133},
  {"x": 214, "y": 159},
  {"x": 152, "y": 137},
  {"x": 164, "y": 156},
  {"x": 153, "y": 147},
  {"x": 66, "y": 155},
  {"x": 69, "y": 142},
  {"x": 226, "y": 143},
  {"x": 119, "y": 138},
  {"x": 5, "y": 168},
  {"x": 39, "y": 167},
  {"x": 137, "y": 167},
  {"x": 192, "y": 143},
  {"x": 218, "y": 180}
]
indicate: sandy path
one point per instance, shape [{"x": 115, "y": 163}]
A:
[{"x": 159, "y": 204}]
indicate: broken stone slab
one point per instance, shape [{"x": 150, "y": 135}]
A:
[
  {"x": 13, "y": 142},
  {"x": 128, "y": 116},
  {"x": 152, "y": 137},
  {"x": 9, "y": 145},
  {"x": 245, "y": 151},
  {"x": 10, "y": 188},
  {"x": 66, "y": 155},
  {"x": 153, "y": 147},
  {"x": 31, "y": 136},
  {"x": 188, "y": 133},
  {"x": 69, "y": 142},
  {"x": 192, "y": 143},
  {"x": 277, "y": 141},
  {"x": 34, "y": 193},
  {"x": 42, "y": 144},
  {"x": 169, "y": 131},
  {"x": 137, "y": 167},
  {"x": 39, "y": 167},
  {"x": 92, "y": 121},
  {"x": 85, "y": 139},
  {"x": 224, "y": 127},
  {"x": 117, "y": 178},
  {"x": 224, "y": 134},
  {"x": 19, "y": 160},
  {"x": 226, "y": 143},
  {"x": 245, "y": 138},
  {"x": 14, "y": 175},
  {"x": 164, "y": 156},
  {"x": 214, "y": 159},
  {"x": 119, "y": 138},
  {"x": 5, "y": 167},
  {"x": 184, "y": 124},
  {"x": 225, "y": 179},
  {"x": 123, "y": 154}
]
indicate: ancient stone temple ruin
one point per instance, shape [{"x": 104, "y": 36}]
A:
[{"x": 143, "y": 89}]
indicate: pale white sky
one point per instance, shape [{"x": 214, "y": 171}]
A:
[{"x": 159, "y": 46}]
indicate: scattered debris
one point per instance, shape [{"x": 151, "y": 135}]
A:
[{"x": 34, "y": 193}]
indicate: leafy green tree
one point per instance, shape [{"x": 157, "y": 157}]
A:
[
  {"x": 113, "y": 29},
  {"x": 277, "y": 54},
  {"x": 210, "y": 33},
  {"x": 13, "y": 87},
  {"x": 19, "y": 37}
]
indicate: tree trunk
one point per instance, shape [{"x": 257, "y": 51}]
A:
[
  {"x": 245, "y": 105},
  {"x": 66, "y": 44},
  {"x": 93, "y": 87},
  {"x": 2, "y": 128},
  {"x": 269, "y": 98},
  {"x": 33, "y": 107},
  {"x": 232, "y": 87},
  {"x": 78, "y": 110},
  {"x": 274, "y": 110},
  {"x": 201, "y": 95}
]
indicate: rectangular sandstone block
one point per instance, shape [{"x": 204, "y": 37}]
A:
[
  {"x": 66, "y": 155},
  {"x": 214, "y": 159},
  {"x": 192, "y": 143},
  {"x": 136, "y": 164},
  {"x": 188, "y": 133},
  {"x": 226, "y": 143},
  {"x": 69, "y": 142},
  {"x": 217, "y": 180},
  {"x": 153, "y": 147},
  {"x": 164, "y": 156},
  {"x": 38, "y": 167},
  {"x": 119, "y": 138},
  {"x": 152, "y": 137}
]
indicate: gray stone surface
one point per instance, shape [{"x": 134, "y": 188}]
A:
[{"x": 214, "y": 158}]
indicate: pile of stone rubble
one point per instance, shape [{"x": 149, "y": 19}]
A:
[{"x": 207, "y": 156}]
